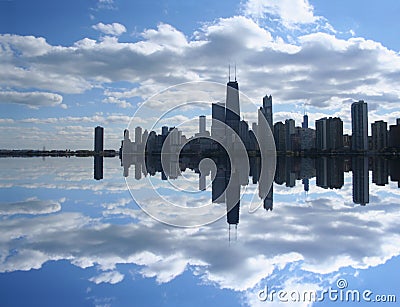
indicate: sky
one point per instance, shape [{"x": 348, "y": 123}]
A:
[{"x": 66, "y": 67}]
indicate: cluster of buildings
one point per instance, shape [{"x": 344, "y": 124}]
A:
[{"x": 326, "y": 137}]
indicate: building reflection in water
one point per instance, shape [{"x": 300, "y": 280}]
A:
[
  {"x": 98, "y": 167},
  {"x": 328, "y": 171},
  {"x": 360, "y": 172}
]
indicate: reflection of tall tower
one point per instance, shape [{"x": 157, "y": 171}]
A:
[
  {"x": 98, "y": 167},
  {"x": 219, "y": 183},
  {"x": 269, "y": 199},
  {"x": 98, "y": 139},
  {"x": 359, "y": 125},
  {"x": 266, "y": 111},
  {"x": 360, "y": 180},
  {"x": 380, "y": 171}
]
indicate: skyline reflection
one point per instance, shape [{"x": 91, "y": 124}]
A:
[
  {"x": 312, "y": 234},
  {"x": 328, "y": 172}
]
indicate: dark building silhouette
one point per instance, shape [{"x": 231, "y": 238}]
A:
[
  {"x": 395, "y": 171},
  {"x": 330, "y": 172},
  {"x": 329, "y": 134},
  {"x": 380, "y": 134},
  {"x": 266, "y": 110},
  {"x": 304, "y": 124},
  {"x": 217, "y": 126},
  {"x": 289, "y": 132},
  {"x": 380, "y": 171},
  {"x": 98, "y": 140},
  {"x": 394, "y": 136},
  {"x": 98, "y": 167},
  {"x": 359, "y": 125},
  {"x": 360, "y": 180},
  {"x": 280, "y": 136},
  {"x": 232, "y": 113}
]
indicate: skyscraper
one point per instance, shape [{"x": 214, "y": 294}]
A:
[
  {"x": 359, "y": 125},
  {"x": 218, "y": 120},
  {"x": 232, "y": 115},
  {"x": 266, "y": 109},
  {"x": 379, "y": 133},
  {"x": 289, "y": 131},
  {"x": 98, "y": 139},
  {"x": 202, "y": 124},
  {"x": 304, "y": 124},
  {"x": 280, "y": 136},
  {"x": 138, "y": 135},
  {"x": 329, "y": 133}
]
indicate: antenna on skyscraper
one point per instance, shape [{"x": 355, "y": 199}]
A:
[
  {"x": 235, "y": 71},
  {"x": 229, "y": 72}
]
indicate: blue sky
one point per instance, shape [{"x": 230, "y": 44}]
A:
[{"x": 69, "y": 66}]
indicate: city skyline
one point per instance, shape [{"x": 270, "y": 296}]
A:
[{"x": 327, "y": 137}]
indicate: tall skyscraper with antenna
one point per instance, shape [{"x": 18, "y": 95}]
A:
[
  {"x": 266, "y": 110},
  {"x": 232, "y": 117}
]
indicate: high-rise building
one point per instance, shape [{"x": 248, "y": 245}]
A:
[
  {"x": 232, "y": 113},
  {"x": 138, "y": 135},
  {"x": 280, "y": 136},
  {"x": 394, "y": 136},
  {"x": 98, "y": 139},
  {"x": 218, "y": 121},
  {"x": 307, "y": 139},
  {"x": 320, "y": 133},
  {"x": 202, "y": 124},
  {"x": 379, "y": 135},
  {"x": 164, "y": 130},
  {"x": 304, "y": 124},
  {"x": 266, "y": 109},
  {"x": 289, "y": 131},
  {"x": 359, "y": 125},
  {"x": 329, "y": 133}
]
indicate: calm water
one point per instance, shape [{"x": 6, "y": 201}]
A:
[{"x": 67, "y": 239}]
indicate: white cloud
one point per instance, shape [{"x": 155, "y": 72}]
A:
[
  {"x": 166, "y": 36},
  {"x": 31, "y": 206},
  {"x": 106, "y": 4},
  {"x": 110, "y": 29},
  {"x": 120, "y": 103},
  {"x": 31, "y": 99},
  {"x": 112, "y": 277},
  {"x": 290, "y": 12}
]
